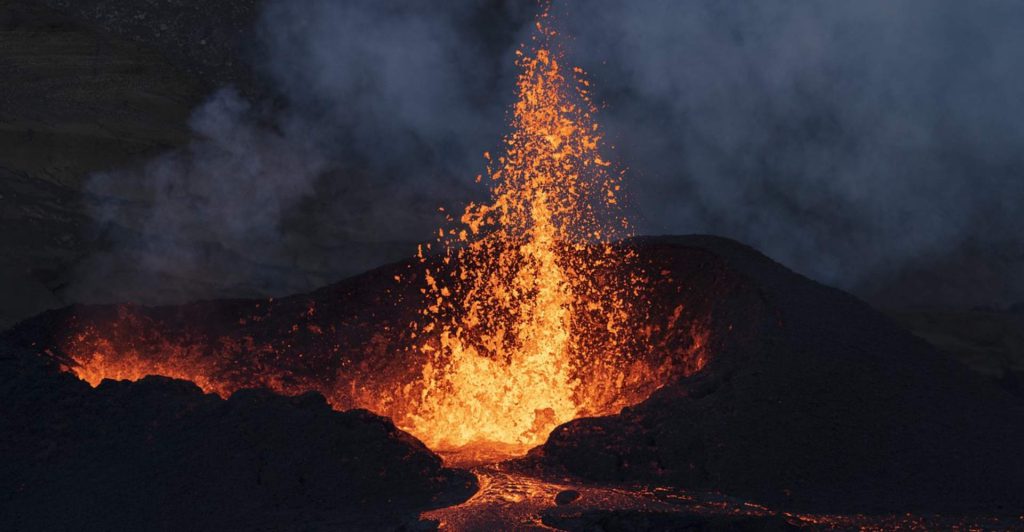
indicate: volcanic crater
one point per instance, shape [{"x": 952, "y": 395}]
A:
[{"x": 809, "y": 403}]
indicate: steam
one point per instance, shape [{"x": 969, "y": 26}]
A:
[
  {"x": 852, "y": 141},
  {"x": 848, "y": 140},
  {"x": 381, "y": 111},
  {"x": 205, "y": 219}
]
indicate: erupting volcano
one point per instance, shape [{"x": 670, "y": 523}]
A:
[
  {"x": 527, "y": 311},
  {"x": 590, "y": 378}
]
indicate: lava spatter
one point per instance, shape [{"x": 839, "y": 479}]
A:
[{"x": 525, "y": 307}]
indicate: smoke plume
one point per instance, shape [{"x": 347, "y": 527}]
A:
[{"x": 856, "y": 142}]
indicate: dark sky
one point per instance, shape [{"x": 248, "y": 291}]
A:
[{"x": 856, "y": 142}]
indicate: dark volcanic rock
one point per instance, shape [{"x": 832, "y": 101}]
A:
[
  {"x": 566, "y": 496},
  {"x": 74, "y": 101},
  {"x": 158, "y": 454},
  {"x": 206, "y": 38},
  {"x": 638, "y": 520},
  {"x": 990, "y": 341},
  {"x": 811, "y": 401}
]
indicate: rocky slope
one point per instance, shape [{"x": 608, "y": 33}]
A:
[
  {"x": 74, "y": 101},
  {"x": 812, "y": 402},
  {"x": 158, "y": 454}
]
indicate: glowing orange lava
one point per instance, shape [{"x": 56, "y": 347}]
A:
[{"x": 516, "y": 317}]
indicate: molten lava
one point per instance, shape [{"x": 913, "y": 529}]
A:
[
  {"x": 533, "y": 312},
  {"x": 523, "y": 311}
]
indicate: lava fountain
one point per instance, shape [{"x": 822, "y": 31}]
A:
[{"x": 514, "y": 319}]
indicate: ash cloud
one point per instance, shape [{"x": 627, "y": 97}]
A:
[{"x": 860, "y": 143}]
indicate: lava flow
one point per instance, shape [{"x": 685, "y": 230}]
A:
[{"x": 528, "y": 311}]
